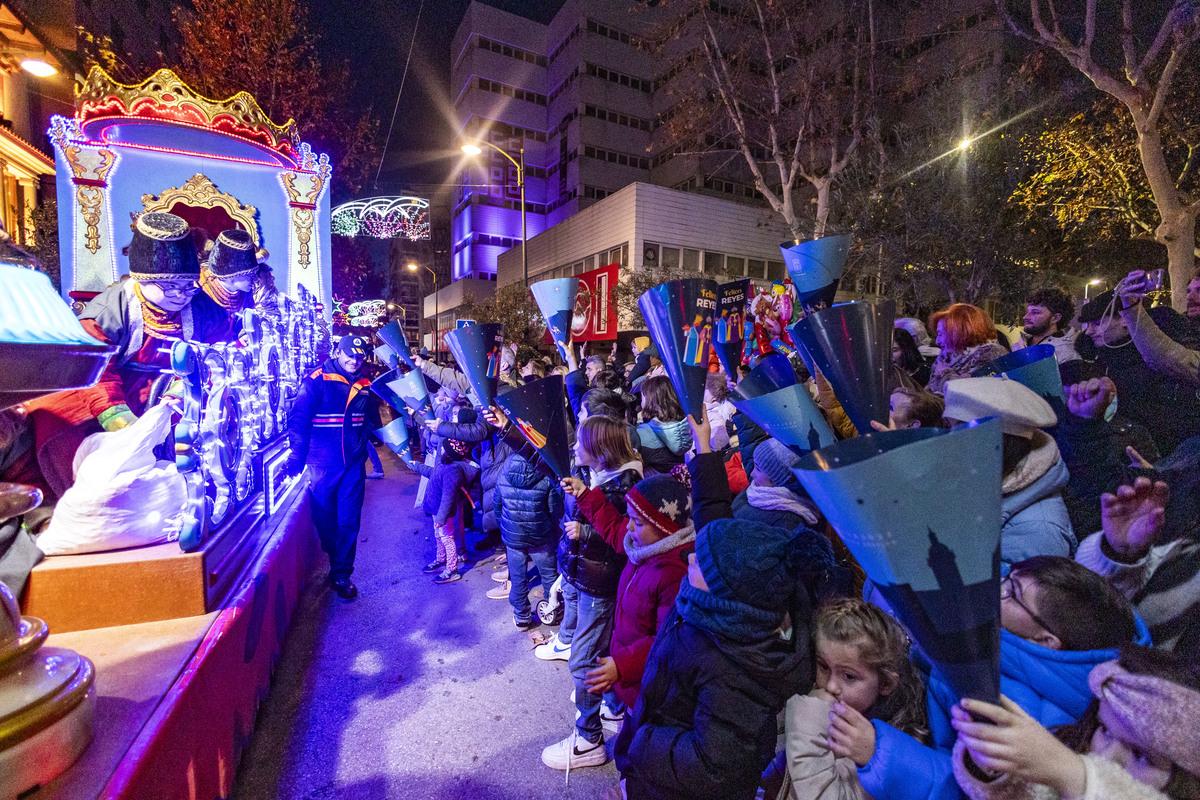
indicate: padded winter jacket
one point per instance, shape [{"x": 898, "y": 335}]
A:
[
  {"x": 646, "y": 592},
  {"x": 704, "y": 725},
  {"x": 528, "y": 505},
  {"x": 663, "y": 444},
  {"x": 449, "y": 488},
  {"x": 493, "y": 454},
  {"x": 1051, "y": 685},
  {"x": 1034, "y": 518},
  {"x": 331, "y": 419},
  {"x": 588, "y": 563}
]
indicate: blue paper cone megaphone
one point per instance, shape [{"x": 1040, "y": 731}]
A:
[
  {"x": 395, "y": 436},
  {"x": 789, "y": 415},
  {"x": 773, "y": 371},
  {"x": 412, "y": 390},
  {"x": 556, "y": 300},
  {"x": 385, "y": 392},
  {"x": 919, "y": 510},
  {"x": 851, "y": 344},
  {"x": 680, "y": 316},
  {"x": 730, "y": 326},
  {"x": 393, "y": 336},
  {"x": 538, "y": 410},
  {"x": 476, "y": 348},
  {"x": 387, "y": 355},
  {"x": 1034, "y": 368},
  {"x": 816, "y": 268}
]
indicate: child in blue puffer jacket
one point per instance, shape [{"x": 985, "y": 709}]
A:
[
  {"x": 528, "y": 505},
  {"x": 445, "y": 498},
  {"x": 1058, "y": 621}
]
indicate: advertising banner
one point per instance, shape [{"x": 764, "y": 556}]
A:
[
  {"x": 731, "y": 324},
  {"x": 595, "y": 318}
]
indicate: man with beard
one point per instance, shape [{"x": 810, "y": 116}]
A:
[{"x": 1048, "y": 314}]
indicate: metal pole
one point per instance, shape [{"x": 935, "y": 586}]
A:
[{"x": 524, "y": 229}]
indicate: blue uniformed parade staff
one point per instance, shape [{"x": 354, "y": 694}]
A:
[{"x": 327, "y": 431}]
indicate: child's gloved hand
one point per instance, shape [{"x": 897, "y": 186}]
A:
[{"x": 851, "y": 735}]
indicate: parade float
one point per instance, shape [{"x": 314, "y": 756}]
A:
[{"x": 184, "y": 634}]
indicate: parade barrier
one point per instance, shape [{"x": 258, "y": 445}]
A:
[{"x": 927, "y": 533}]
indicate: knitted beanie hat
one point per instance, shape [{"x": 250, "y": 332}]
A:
[
  {"x": 455, "y": 450},
  {"x": 749, "y": 563},
  {"x": 663, "y": 501},
  {"x": 776, "y": 459}
]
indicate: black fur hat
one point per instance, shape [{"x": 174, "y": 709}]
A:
[
  {"x": 162, "y": 249},
  {"x": 232, "y": 254}
]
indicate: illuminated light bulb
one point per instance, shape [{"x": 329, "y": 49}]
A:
[{"x": 38, "y": 67}]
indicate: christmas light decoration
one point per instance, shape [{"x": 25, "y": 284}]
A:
[{"x": 383, "y": 218}]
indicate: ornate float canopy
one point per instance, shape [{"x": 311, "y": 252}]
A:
[
  {"x": 151, "y": 113},
  {"x": 383, "y": 218}
]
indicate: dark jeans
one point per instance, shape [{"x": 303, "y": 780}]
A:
[
  {"x": 337, "y": 498},
  {"x": 545, "y": 561},
  {"x": 593, "y": 631}
]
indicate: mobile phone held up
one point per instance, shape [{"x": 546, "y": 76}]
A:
[{"x": 1153, "y": 281}]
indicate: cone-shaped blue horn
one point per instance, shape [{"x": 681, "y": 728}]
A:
[
  {"x": 731, "y": 324},
  {"x": 773, "y": 371},
  {"x": 920, "y": 512},
  {"x": 538, "y": 409},
  {"x": 1033, "y": 367},
  {"x": 476, "y": 348},
  {"x": 395, "y": 436},
  {"x": 380, "y": 386},
  {"x": 393, "y": 336},
  {"x": 852, "y": 345},
  {"x": 816, "y": 268},
  {"x": 388, "y": 356},
  {"x": 680, "y": 316},
  {"x": 789, "y": 415},
  {"x": 412, "y": 390},
  {"x": 556, "y": 299}
]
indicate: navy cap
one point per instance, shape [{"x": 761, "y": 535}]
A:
[{"x": 352, "y": 345}]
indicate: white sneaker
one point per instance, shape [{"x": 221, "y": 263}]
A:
[
  {"x": 499, "y": 576},
  {"x": 499, "y": 592},
  {"x": 574, "y": 752},
  {"x": 609, "y": 721},
  {"x": 553, "y": 650}
]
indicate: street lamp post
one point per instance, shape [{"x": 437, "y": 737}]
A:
[
  {"x": 412, "y": 267},
  {"x": 472, "y": 149},
  {"x": 1087, "y": 286}
]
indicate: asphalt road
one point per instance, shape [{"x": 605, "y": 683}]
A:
[{"x": 413, "y": 690}]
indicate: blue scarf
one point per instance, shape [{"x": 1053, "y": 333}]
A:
[{"x": 729, "y": 619}]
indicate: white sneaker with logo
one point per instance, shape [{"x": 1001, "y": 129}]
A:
[
  {"x": 574, "y": 752},
  {"x": 553, "y": 650}
]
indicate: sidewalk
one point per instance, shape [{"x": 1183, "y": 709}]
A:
[{"x": 413, "y": 690}]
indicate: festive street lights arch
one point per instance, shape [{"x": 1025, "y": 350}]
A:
[{"x": 383, "y": 218}]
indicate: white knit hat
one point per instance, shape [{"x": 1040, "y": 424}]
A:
[{"x": 1020, "y": 409}]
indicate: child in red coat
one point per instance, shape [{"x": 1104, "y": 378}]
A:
[{"x": 657, "y": 536}]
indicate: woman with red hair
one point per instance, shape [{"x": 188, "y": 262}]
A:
[{"x": 968, "y": 341}]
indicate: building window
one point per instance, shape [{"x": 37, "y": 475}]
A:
[
  {"x": 776, "y": 271},
  {"x": 670, "y": 257},
  {"x": 714, "y": 263},
  {"x": 755, "y": 268},
  {"x": 735, "y": 266},
  {"x": 691, "y": 260}
]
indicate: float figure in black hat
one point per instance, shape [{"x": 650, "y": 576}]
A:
[{"x": 160, "y": 303}]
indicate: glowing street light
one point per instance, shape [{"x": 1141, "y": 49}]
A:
[
  {"x": 472, "y": 148},
  {"x": 412, "y": 266},
  {"x": 1089, "y": 285},
  {"x": 965, "y": 143},
  {"x": 35, "y": 66}
]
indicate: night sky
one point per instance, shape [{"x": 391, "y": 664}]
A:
[{"x": 374, "y": 36}]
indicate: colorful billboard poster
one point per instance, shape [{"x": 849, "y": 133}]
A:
[{"x": 595, "y": 317}]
